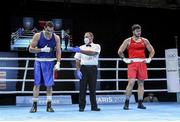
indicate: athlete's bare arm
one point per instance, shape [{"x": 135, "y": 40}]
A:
[
  {"x": 122, "y": 48},
  {"x": 149, "y": 48},
  {"x": 33, "y": 45},
  {"x": 58, "y": 48}
]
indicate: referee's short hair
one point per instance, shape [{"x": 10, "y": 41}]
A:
[{"x": 91, "y": 34}]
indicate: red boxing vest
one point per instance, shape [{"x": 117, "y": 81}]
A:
[{"x": 136, "y": 49}]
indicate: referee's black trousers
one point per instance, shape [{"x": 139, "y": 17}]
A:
[{"x": 89, "y": 78}]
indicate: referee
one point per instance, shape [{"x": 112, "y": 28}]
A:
[{"x": 86, "y": 63}]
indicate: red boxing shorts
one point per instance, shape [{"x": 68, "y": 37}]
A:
[{"x": 137, "y": 70}]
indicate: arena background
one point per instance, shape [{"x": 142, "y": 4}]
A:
[{"x": 110, "y": 23}]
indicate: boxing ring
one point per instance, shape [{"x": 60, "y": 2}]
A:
[
  {"x": 116, "y": 69},
  {"x": 161, "y": 111}
]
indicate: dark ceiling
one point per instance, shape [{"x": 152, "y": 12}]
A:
[{"x": 166, "y": 4}]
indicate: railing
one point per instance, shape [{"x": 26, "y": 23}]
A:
[{"x": 115, "y": 68}]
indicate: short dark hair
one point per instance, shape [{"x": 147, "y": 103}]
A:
[
  {"x": 136, "y": 26},
  {"x": 49, "y": 23}
]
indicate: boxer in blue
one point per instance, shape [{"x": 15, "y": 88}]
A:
[{"x": 46, "y": 45}]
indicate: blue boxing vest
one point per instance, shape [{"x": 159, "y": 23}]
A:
[{"x": 50, "y": 43}]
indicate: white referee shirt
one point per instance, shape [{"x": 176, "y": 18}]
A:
[{"x": 87, "y": 59}]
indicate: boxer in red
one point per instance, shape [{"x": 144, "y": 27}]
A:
[{"x": 137, "y": 68}]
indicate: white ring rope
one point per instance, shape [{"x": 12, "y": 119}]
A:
[
  {"x": 116, "y": 79},
  {"x": 67, "y": 59},
  {"x": 76, "y": 80},
  {"x": 98, "y": 91},
  {"x": 102, "y": 69}
]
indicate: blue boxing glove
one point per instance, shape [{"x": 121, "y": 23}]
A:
[
  {"x": 78, "y": 74},
  {"x": 74, "y": 49}
]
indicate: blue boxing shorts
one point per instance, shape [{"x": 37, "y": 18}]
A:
[{"x": 44, "y": 73}]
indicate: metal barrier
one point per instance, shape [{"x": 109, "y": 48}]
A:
[{"x": 116, "y": 69}]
